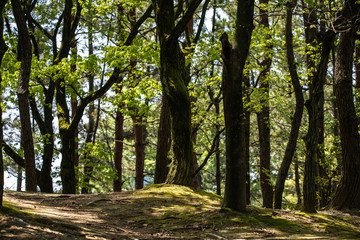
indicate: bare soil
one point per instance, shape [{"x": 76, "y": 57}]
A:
[{"x": 160, "y": 212}]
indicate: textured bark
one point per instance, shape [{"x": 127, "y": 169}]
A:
[
  {"x": 357, "y": 75},
  {"x": 45, "y": 181},
  {"x": 163, "y": 144},
  {"x": 74, "y": 105},
  {"x": 25, "y": 56},
  {"x": 3, "y": 49},
  {"x": 173, "y": 79},
  {"x": 296, "y": 120},
  {"x": 19, "y": 178},
  {"x": 234, "y": 57},
  {"x": 139, "y": 151},
  {"x": 314, "y": 106},
  {"x": 347, "y": 194},
  {"x": 45, "y": 120},
  {"x": 297, "y": 181},
  {"x": 247, "y": 139},
  {"x": 263, "y": 116},
  {"x": 217, "y": 152},
  {"x": 90, "y": 132},
  {"x": 119, "y": 144}
]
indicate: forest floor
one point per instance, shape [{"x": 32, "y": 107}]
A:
[{"x": 160, "y": 212}]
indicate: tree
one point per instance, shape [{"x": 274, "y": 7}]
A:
[
  {"x": 3, "y": 49},
  {"x": 347, "y": 194},
  {"x": 163, "y": 143},
  {"x": 316, "y": 77},
  {"x": 264, "y": 115},
  {"x": 173, "y": 79},
  {"x": 234, "y": 57},
  {"x": 119, "y": 142},
  {"x": 25, "y": 56}
]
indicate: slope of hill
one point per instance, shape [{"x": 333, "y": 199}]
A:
[{"x": 160, "y": 212}]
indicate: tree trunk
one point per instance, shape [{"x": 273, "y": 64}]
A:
[
  {"x": 217, "y": 152},
  {"x": 89, "y": 163},
  {"x": 25, "y": 56},
  {"x": 139, "y": 151},
  {"x": 357, "y": 75},
  {"x": 19, "y": 178},
  {"x": 247, "y": 139},
  {"x": 297, "y": 181},
  {"x": 296, "y": 120},
  {"x": 173, "y": 78},
  {"x": 234, "y": 57},
  {"x": 119, "y": 144},
  {"x": 264, "y": 115},
  {"x": 163, "y": 144},
  {"x": 74, "y": 105},
  {"x": 3, "y": 49},
  {"x": 347, "y": 194},
  {"x": 314, "y": 106}
]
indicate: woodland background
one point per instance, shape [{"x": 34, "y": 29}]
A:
[{"x": 129, "y": 93}]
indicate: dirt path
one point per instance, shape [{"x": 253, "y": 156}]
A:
[{"x": 166, "y": 212}]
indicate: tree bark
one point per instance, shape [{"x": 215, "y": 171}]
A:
[
  {"x": 314, "y": 106},
  {"x": 19, "y": 178},
  {"x": 163, "y": 143},
  {"x": 25, "y": 56},
  {"x": 296, "y": 120},
  {"x": 3, "y": 49},
  {"x": 264, "y": 115},
  {"x": 89, "y": 163},
  {"x": 247, "y": 139},
  {"x": 173, "y": 78},
  {"x": 139, "y": 151},
  {"x": 234, "y": 57},
  {"x": 347, "y": 194},
  {"x": 297, "y": 181},
  {"x": 119, "y": 143},
  {"x": 357, "y": 76}
]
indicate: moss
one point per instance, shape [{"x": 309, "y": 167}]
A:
[{"x": 9, "y": 209}]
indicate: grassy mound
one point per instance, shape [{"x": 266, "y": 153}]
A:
[{"x": 161, "y": 212}]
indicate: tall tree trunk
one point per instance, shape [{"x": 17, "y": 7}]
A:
[
  {"x": 247, "y": 145},
  {"x": 297, "y": 180},
  {"x": 3, "y": 49},
  {"x": 25, "y": 56},
  {"x": 74, "y": 105},
  {"x": 314, "y": 106},
  {"x": 89, "y": 163},
  {"x": 139, "y": 151},
  {"x": 119, "y": 143},
  {"x": 163, "y": 143},
  {"x": 347, "y": 194},
  {"x": 234, "y": 57},
  {"x": 67, "y": 135},
  {"x": 296, "y": 120},
  {"x": 217, "y": 152},
  {"x": 357, "y": 75},
  {"x": 173, "y": 79},
  {"x": 264, "y": 115},
  {"x": 19, "y": 178}
]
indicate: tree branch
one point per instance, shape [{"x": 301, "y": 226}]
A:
[
  {"x": 212, "y": 150},
  {"x": 16, "y": 157},
  {"x": 181, "y": 25},
  {"x": 202, "y": 21},
  {"x": 135, "y": 28}
]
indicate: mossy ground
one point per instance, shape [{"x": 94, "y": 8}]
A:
[{"x": 160, "y": 212}]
